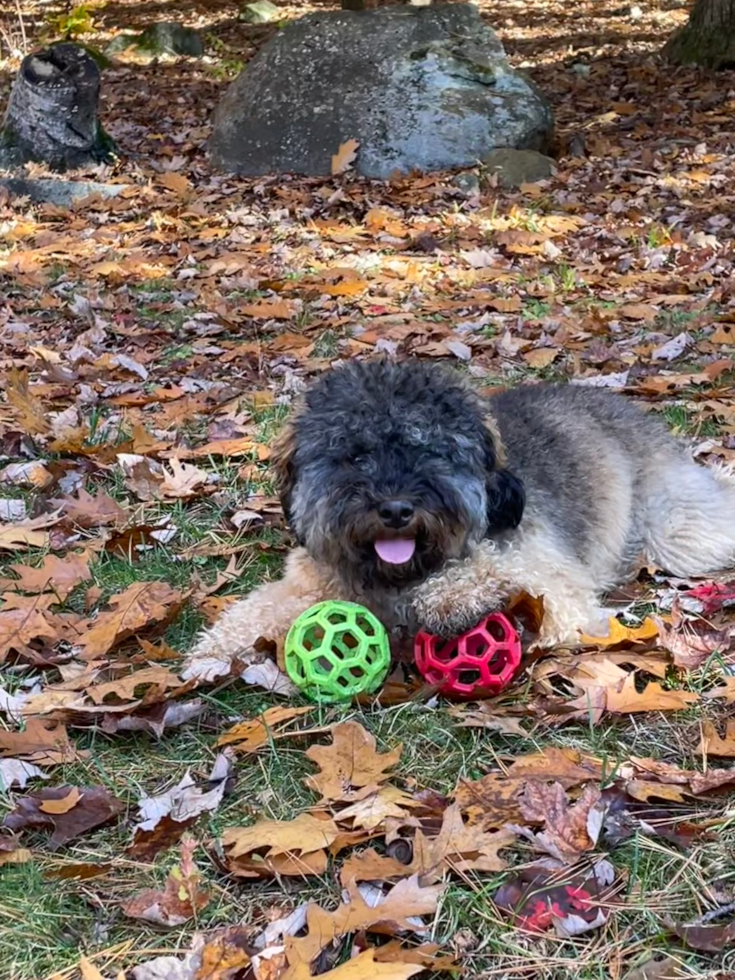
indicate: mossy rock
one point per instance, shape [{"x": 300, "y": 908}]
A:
[
  {"x": 167, "y": 37},
  {"x": 260, "y": 12}
]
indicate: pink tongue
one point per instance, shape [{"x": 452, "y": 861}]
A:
[{"x": 395, "y": 551}]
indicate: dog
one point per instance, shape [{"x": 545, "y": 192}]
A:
[{"x": 409, "y": 493}]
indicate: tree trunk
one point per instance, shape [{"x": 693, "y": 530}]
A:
[
  {"x": 52, "y": 112},
  {"x": 707, "y": 39}
]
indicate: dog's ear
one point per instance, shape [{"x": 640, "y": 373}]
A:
[
  {"x": 282, "y": 465},
  {"x": 506, "y": 500},
  {"x": 506, "y": 496}
]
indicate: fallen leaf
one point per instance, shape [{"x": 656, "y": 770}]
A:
[
  {"x": 712, "y": 743},
  {"x": 30, "y": 533},
  {"x": 627, "y": 700},
  {"x": 569, "y": 831},
  {"x": 344, "y": 158},
  {"x": 251, "y": 735},
  {"x": 90, "y": 511},
  {"x": 182, "y": 480},
  {"x": 620, "y": 634},
  {"x": 15, "y": 772},
  {"x": 163, "y": 818},
  {"x": 689, "y": 646},
  {"x": 62, "y": 804},
  {"x": 95, "y": 806},
  {"x": 365, "y": 965},
  {"x": 28, "y": 407},
  {"x": 305, "y": 835},
  {"x": 140, "y": 606},
  {"x": 458, "y": 847},
  {"x": 351, "y": 768},
  {"x": 704, "y": 937},
  {"x": 44, "y": 742},
  {"x": 542, "y": 897},
  {"x": 32, "y": 474},
  {"x": 58, "y": 575}
]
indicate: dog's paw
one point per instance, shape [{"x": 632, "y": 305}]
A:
[{"x": 448, "y": 611}]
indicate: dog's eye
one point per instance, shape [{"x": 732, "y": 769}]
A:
[{"x": 360, "y": 462}]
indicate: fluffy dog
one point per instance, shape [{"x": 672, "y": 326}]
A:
[{"x": 410, "y": 494}]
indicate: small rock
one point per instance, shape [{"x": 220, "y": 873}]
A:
[
  {"x": 467, "y": 183},
  {"x": 167, "y": 37},
  {"x": 516, "y": 167},
  {"x": 579, "y": 68},
  {"x": 260, "y": 12},
  {"x": 62, "y": 193}
]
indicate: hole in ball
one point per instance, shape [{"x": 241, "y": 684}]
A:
[
  {"x": 357, "y": 672},
  {"x": 312, "y": 638},
  {"x": 468, "y": 676},
  {"x": 496, "y": 630},
  {"x": 335, "y": 618},
  {"x": 445, "y": 651},
  {"x": 365, "y": 625},
  {"x": 476, "y": 646}
]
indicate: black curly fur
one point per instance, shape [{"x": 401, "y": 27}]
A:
[{"x": 372, "y": 431}]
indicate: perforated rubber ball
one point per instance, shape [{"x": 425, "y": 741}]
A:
[{"x": 336, "y": 650}]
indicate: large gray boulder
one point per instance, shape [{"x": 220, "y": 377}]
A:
[{"x": 419, "y": 88}]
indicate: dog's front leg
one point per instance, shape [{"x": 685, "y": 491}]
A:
[
  {"x": 266, "y": 612},
  {"x": 465, "y": 591}
]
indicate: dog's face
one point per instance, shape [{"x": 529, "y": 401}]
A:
[{"x": 391, "y": 469}]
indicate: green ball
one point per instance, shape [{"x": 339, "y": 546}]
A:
[{"x": 336, "y": 650}]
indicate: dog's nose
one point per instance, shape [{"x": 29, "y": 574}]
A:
[{"x": 396, "y": 513}]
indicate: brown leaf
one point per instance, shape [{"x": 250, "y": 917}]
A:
[
  {"x": 181, "y": 898},
  {"x": 140, "y": 606},
  {"x": 365, "y": 965},
  {"x": 32, "y": 474},
  {"x": 29, "y": 408},
  {"x": 708, "y": 938},
  {"x": 351, "y": 768},
  {"x": 658, "y": 968},
  {"x": 96, "y": 806},
  {"x": 30, "y": 533},
  {"x": 569, "y": 830},
  {"x": 394, "y": 912},
  {"x": 182, "y": 480},
  {"x": 726, "y": 691},
  {"x": 276, "y": 310},
  {"x": 344, "y": 158},
  {"x": 307, "y": 834},
  {"x": 712, "y": 743},
  {"x": 165, "y": 816},
  {"x": 370, "y": 812},
  {"x": 458, "y": 847},
  {"x": 43, "y": 742},
  {"x": 494, "y": 800},
  {"x": 89, "y": 511},
  {"x": 148, "y": 684},
  {"x": 21, "y": 627},
  {"x": 690, "y": 646},
  {"x": 177, "y": 183},
  {"x": 63, "y": 804},
  {"x": 251, "y": 735},
  {"x": 620, "y": 634},
  {"x": 58, "y": 575},
  {"x": 627, "y": 700}
]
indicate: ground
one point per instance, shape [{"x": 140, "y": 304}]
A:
[{"x": 179, "y": 320}]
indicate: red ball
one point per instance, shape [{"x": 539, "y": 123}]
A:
[{"x": 477, "y": 664}]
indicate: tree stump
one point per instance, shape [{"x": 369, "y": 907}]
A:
[{"x": 52, "y": 111}]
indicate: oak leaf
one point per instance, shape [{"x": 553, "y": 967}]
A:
[
  {"x": 344, "y": 158},
  {"x": 306, "y": 836},
  {"x": 627, "y": 700},
  {"x": 351, "y": 768},
  {"x": 88, "y": 511},
  {"x": 141, "y": 605},
  {"x": 95, "y": 806},
  {"x": 254, "y": 734},
  {"x": 569, "y": 831},
  {"x": 44, "y": 742},
  {"x": 182, "y": 480},
  {"x": 457, "y": 847},
  {"x": 29, "y": 408},
  {"x": 619, "y": 633},
  {"x": 713, "y": 744},
  {"x": 58, "y": 575}
]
